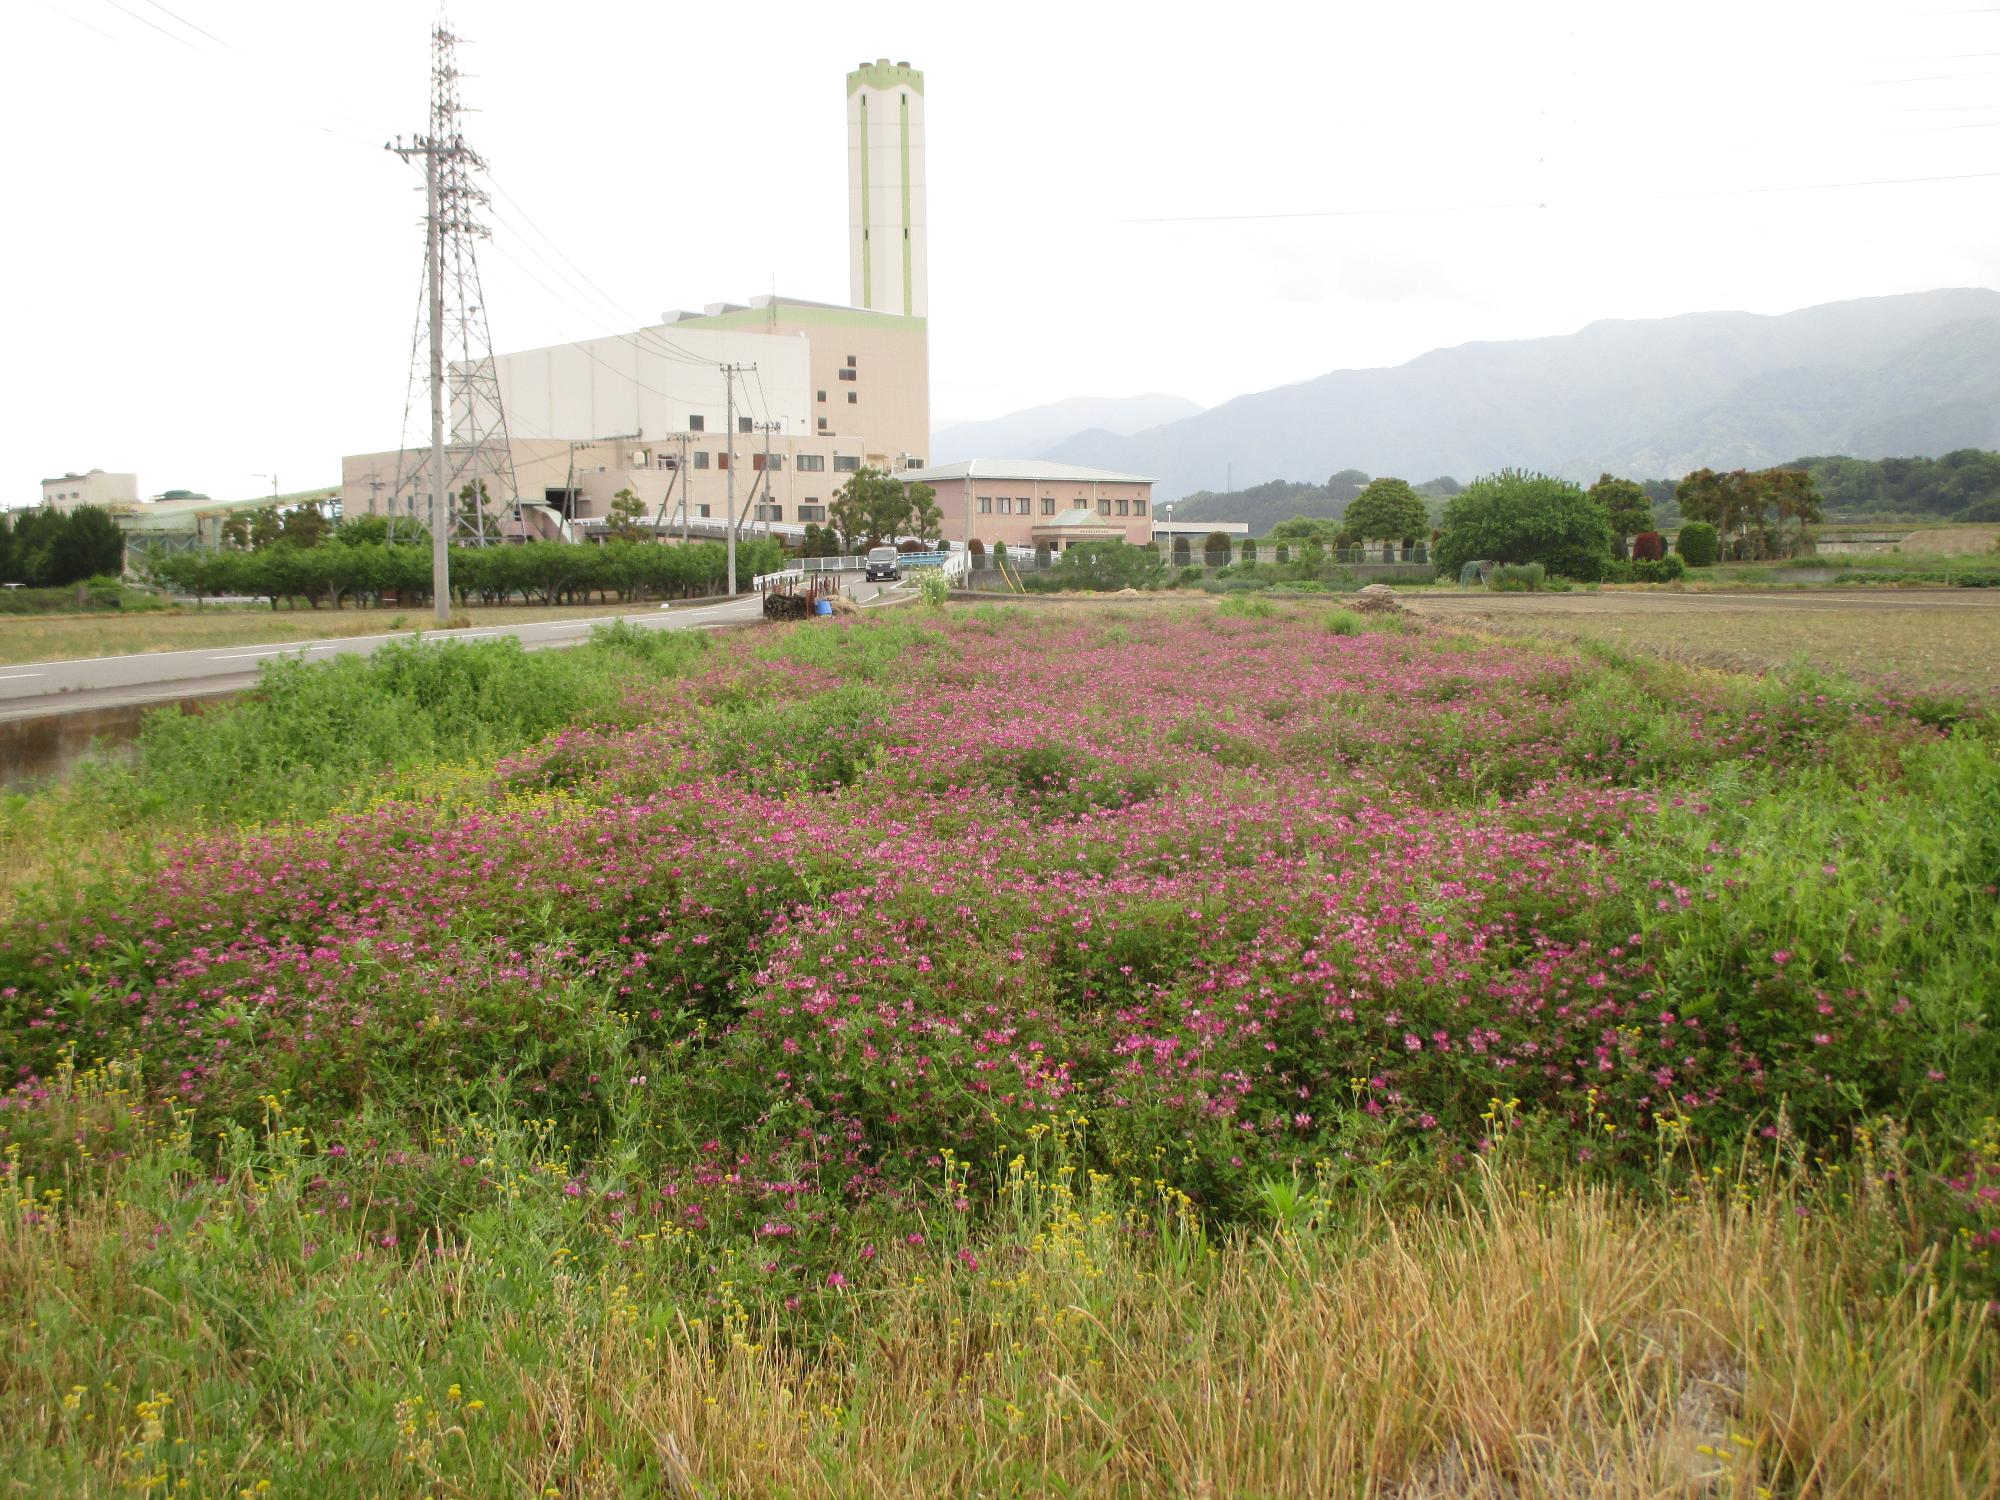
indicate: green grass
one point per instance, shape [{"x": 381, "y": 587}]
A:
[{"x": 503, "y": 1197}]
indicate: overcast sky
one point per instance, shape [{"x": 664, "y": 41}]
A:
[{"x": 213, "y": 265}]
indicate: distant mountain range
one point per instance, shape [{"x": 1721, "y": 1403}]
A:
[
  {"x": 1026, "y": 434},
  {"x": 1908, "y": 375}
]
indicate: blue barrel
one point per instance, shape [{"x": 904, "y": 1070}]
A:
[{"x": 823, "y": 607}]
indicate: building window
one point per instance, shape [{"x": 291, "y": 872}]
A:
[
  {"x": 702, "y": 511},
  {"x": 850, "y": 361},
  {"x": 769, "y": 513},
  {"x": 1124, "y": 507},
  {"x": 822, "y": 397},
  {"x": 697, "y": 424},
  {"x": 822, "y": 424},
  {"x": 1138, "y": 507},
  {"x": 1104, "y": 507},
  {"x": 811, "y": 512},
  {"x": 986, "y": 505},
  {"x": 742, "y": 424},
  {"x": 853, "y": 398},
  {"x": 812, "y": 463},
  {"x": 848, "y": 375},
  {"x": 1048, "y": 507},
  {"x": 846, "y": 463},
  {"x": 722, "y": 460},
  {"x": 701, "y": 458}
]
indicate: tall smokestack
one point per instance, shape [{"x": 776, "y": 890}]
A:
[{"x": 885, "y": 188}]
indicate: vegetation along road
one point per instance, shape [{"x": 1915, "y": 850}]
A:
[{"x": 31, "y": 689}]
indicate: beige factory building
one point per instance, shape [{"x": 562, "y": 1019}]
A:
[
  {"x": 106, "y": 491},
  {"x": 827, "y": 388}
]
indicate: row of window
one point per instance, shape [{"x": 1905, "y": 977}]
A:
[
  {"x": 1022, "y": 505},
  {"x": 809, "y": 463},
  {"x": 809, "y": 511}
]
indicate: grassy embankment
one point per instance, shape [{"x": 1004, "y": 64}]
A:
[
  {"x": 76, "y": 636},
  {"x": 1231, "y": 1051}
]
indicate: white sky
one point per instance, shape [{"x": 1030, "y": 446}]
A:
[{"x": 212, "y": 265}]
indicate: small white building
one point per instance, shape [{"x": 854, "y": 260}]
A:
[{"x": 95, "y": 488}]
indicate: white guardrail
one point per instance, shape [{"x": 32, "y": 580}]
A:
[{"x": 954, "y": 565}]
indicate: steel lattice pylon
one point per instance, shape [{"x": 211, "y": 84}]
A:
[{"x": 478, "y": 460}]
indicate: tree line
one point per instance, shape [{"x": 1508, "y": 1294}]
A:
[
  {"x": 48, "y": 548},
  {"x": 1964, "y": 485},
  {"x": 340, "y": 570}
]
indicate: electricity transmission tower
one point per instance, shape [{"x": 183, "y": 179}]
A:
[{"x": 468, "y": 466}]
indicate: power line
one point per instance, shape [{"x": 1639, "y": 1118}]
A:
[
  {"x": 1869, "y": 83},
  {"x": 51, "y": 5},
  {"x": 190, "y": 25},
  {"x": 172, "y": 36},
  {"x": 1442, "y": 208},
  {"x": 623, "y": 313}
]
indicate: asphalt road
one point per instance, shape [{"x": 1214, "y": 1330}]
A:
[{"x": 49, "y": 687}]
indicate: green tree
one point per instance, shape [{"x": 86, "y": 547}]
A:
[
  {"x": 1696, "y": 544},
  {"x": 1102, "y": 566},
  {"x": 1344, "y": 486},
  {"x": 1519, "y": 517},
  {"x": 89, "y": 545},
  {"x": 875, "y": 506},
  {"x": 1753, "y": 508},
  {"x": 358, "y": 530},
  {"x": 1306, "y": 529},
  {"x": 1626, "y": 504},
  {"x": 628, "y": 511},
  {"x": 926, "y": 521},
  {"x": 304, "y": 526},
  {"x": 1388, "y": 510},
  {"x": 267, "y": 527}
]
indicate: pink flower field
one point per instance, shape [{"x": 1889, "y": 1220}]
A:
[{"x": 1229, "y": 898}]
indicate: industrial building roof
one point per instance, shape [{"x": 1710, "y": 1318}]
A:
[{"x": 1030, "y": 469}]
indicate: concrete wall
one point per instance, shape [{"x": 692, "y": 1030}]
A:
[
  {"x": 94, "y": 488},
  {"x": 653, "y": 381}
]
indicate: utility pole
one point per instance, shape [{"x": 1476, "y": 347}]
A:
[
  {"x": 767, "y": 428},
  {"x": 729, "y": 470},
  {"x": 729, "y": 374},
  {"x": 680, "y": 440}
]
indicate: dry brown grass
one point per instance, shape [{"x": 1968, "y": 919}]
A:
[
  {"x": 1953, "y": 541},
  {"x": 32, "y": 638},
  {"x": 1544, "y": 1345},
  {"x": 1941, "y": 640}
]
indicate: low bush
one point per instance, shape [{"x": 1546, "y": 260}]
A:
[
  {"x": 1517, "y": 578},
  {"x": 1698, "y": 544}
]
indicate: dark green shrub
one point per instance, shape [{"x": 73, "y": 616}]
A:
[
  {"x": 1697, "y": 544},
  {"x": 1658, "y": 570}
]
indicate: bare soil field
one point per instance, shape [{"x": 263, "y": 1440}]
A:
[{"x": 1933, "y": 638}]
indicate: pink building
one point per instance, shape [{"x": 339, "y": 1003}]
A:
[{"x": 1032, "y": 504}]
